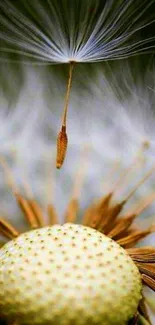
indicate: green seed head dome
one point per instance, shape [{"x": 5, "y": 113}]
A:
[{"x": 66, "y": 275}]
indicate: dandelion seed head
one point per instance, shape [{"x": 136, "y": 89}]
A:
[
  {"x": 60, "y": 32},
  {"x": 83, "y": 279}
]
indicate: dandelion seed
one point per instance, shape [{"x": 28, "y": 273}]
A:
[{"x": 62, "y": 139}]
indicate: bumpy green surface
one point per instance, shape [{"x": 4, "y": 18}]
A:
[{"x": 67, "y": 275}]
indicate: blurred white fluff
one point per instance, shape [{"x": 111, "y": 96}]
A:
[
  {"x": 128, "y": 109},
  {"x": 136, "y": 116},
  {"x": 82, "y": 31}
]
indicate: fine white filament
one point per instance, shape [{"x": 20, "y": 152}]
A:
[{"x": 59, "y": 31}]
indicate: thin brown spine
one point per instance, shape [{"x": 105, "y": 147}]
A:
[
  {"x": 148, "y": 281},
  {"x": 27, "y": 211},
  {"x": 146, "y": 258},
  {"x": 141, "y": 250},
  {"x": 7, "y": 229},
  {"x": 147, "y": 201},
  {"x": 36, "y": 209},
  {"x": 71, "y": 213},
  {"x": 101, "y": 211},
  {"x": 133, "y": 238},
  {"x": 113, "y": 212},
  {"x": 52, "y": 215},
  {"x": 147, "y": 268},
  {"x": 121, "y": 225},
  {"x": 95, "y": 213}
]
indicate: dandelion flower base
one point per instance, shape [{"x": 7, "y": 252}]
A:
[{"x": 68, "y": 274}]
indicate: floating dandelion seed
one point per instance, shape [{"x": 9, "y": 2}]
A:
[
  {"x": 76, "y": 272},
  {"x": 63, "y": 32},
  {"x": 62, "y": 136}
]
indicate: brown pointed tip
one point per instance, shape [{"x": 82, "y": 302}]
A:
[{"x": 58, "y": 165}]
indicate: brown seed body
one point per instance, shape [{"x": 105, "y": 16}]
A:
[{"x": 62, "y": 141}]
